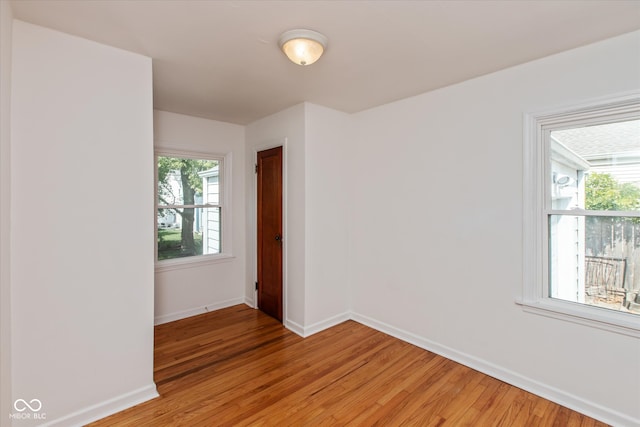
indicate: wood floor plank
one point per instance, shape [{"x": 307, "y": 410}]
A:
[{"x": 239, "y": 367}]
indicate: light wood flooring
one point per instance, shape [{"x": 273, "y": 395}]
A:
[{"x": 239, "y": 367}]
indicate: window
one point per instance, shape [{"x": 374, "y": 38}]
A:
[
  {"x": 190, "y": 207},
  {"x": 582, "y": 214}
]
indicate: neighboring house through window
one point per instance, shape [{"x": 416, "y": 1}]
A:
[{"x": 582, "y": 214}]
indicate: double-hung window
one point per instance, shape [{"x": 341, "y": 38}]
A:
[
  {"x": 582, "y": 214},
  {"x": 190, "y": 213}
]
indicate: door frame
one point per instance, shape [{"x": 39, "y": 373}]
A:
[{"x": 254, "y": 220}]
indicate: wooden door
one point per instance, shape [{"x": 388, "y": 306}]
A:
[{"x": 269, "y": 215}]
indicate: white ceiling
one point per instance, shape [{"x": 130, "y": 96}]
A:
[{"x": 220, "y": 59}]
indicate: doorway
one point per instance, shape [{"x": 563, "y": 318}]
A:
[{"x": 269, "y": 231}]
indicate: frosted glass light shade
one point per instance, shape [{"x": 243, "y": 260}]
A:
[{"x": 303, "y": 47}]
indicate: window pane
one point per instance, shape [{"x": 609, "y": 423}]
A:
[
  {"x": 596, "y": 167},
  {"x": 188, "y": 232},
  {"x": 595, "y": 261},
  {"x": 180, "y": 180}
]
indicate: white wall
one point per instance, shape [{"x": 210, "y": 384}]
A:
[
  {"x": 316, "y": 155},
  {"x": 439, "y": 260},
  {"x": 286, "y": 127},
  {"x": 6, "y": 26},
  {"x": 424, "y": 227},
  {"x": 184, "y": 292},
  {"x": 81, "y": 278},
  {"x": 328, "y": 162}
]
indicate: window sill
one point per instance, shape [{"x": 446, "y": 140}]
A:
[
  {"x": 196, "y": 261},
  {"x": 595, "y": 317}
]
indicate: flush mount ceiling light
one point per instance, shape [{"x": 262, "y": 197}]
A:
[{"x": 303, "y": 47}]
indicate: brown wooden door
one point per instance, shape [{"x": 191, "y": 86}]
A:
[{"x": 269, "y": 188}]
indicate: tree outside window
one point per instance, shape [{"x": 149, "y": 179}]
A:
[{"x": 189, "y": 211}]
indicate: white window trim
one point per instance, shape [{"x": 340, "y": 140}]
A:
[
  {"x": 534, "y": 294},
  {"x": 225, "y": 201}
]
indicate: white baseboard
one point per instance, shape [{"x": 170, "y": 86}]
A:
[
  {"x": 106, "y": 408},
  {"x": 294, "y": 327},
  {"x": 326, "y": 324},
  {"x": 165, "y": 318},
  {"x": 591, "y": 409},
  {"x": 306, "y": 331},
  {"x": 250, "y": 302}
]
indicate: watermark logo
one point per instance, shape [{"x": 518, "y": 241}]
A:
[
  {"x": 21, "y": 405},
  {"x": 28, "y": 410}
]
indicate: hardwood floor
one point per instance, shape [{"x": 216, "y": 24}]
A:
[{"x": 239, "y": 367}]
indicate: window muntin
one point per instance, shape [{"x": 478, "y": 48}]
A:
[
  {"x": 594, "y": 170},
  {"x": 189, "y": 206}
]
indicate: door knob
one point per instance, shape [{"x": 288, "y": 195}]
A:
[{"x": 278, "y": 238}]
